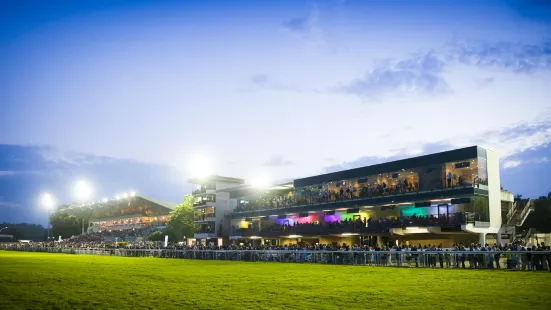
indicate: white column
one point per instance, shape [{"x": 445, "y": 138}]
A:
[
  {"x": 499, "y": 238},
  {"x": 379, "y": 241},
  {"x": 482, "y": 238}
]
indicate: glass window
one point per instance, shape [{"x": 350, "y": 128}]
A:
[
  {"x": 482, "y": 178},
  {"x": 461, "y": 173}
]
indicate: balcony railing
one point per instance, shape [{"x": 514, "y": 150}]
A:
[
  {"x": 326, "y": 198},
  {"x": 203, "y": 202},
  {"x": 204, "y": 216},
  {"x": 359, "y": 226},
  {"x": 203, "y": 190}
]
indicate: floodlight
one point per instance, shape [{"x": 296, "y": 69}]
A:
[
  {"x": 200, "y": 166},
  {"x": 125, "y": 195},
  {"x": 132, "y": 194},
  {"x": 82, "y": 190},
  {"x": 105, "y": 199},
  {"x": 260, "y": 182},
  {"x": 48, "y": 201},
  {"x": 117, "y": 197}
]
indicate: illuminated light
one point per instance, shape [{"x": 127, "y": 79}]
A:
[
  {"x": 295, "y": 236},
  {"x": 48, "y": 201},
  {"x": 349, "y": 234},
  {"x": 105, "y": 199},
  {"x": 125, "y": 195},
  {"x": 260, "y": 182},
  {"x": 82, "y": 190},
  {"x": 416, "y": 230},
  {"x": 117, "y": 197},
  {"x": 132, "y": 194},
  {"x": 254, "y": 237},
  {"x": 200, "y": 166}
]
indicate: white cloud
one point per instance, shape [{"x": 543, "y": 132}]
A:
[{"x": 511, "y": 163}]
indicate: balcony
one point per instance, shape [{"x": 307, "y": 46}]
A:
[
  {"x": 204, "y": 202},
  {"x": 205, "y": 217},
  {"x": 205, "y": 231},
  {"x": 359, "y": 226},
  {"x": 351, "y": 200},
  {"x": 203, "y": 190}
]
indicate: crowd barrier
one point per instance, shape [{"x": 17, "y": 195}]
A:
[{"x": 514, "y": 260}]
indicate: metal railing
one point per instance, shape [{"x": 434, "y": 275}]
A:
[
  {"x": 337, "y": 197},
  {"x": 512, "y": 260}
]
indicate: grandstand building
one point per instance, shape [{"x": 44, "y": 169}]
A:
[
  {"x": 126, "y": 212},
  {"x": 441, "y": 198},
  {"x": 210, "y": 203}
]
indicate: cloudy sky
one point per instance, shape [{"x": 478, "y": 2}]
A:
[{"x": 125, "y": 94}]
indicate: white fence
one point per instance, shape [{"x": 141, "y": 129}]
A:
[{"x": 516, "y": 260}]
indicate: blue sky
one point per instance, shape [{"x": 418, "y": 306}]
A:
[{"x": 126, "y": 93}]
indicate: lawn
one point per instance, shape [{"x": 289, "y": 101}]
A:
[{"x": 39, "y": 280}]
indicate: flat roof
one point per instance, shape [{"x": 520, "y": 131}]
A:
[
  {"x": 414, "y": 162},
  {"x": 215, "y": 178},
  {"x": 163, "y": 203}
]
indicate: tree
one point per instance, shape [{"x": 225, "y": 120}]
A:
[
  {"x": 540, "y": 219},
  {"x": 24, "y": 231},
  {"x": 65, "y": 225},
  {"x": 156, "y": 236},
  {"x": 181, "y": 222}
]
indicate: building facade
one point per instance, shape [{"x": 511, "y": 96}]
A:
[
  {"x": 442, "y": 198},
  {"x": 210, "y": 203}
]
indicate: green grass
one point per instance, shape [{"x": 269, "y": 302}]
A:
[{"x": 38, "y": 280}]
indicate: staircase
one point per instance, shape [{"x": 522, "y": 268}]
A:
[
  {"x": 519, "y": 212},
  {"x": 524, "y": 236}
]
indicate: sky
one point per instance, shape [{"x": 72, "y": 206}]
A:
[{"x": 128, "y": 94}]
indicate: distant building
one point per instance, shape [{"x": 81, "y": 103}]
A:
[{"x": 130, "y": 211}]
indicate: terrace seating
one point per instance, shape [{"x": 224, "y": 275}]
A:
[{"x": 354, "y": 226}]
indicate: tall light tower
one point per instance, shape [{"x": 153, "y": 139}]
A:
[
  {"x": 48, "y": 203},
  {"x": 83, "y": 193}
]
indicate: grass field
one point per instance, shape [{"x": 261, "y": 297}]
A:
[{"x": 38, "y": 280}]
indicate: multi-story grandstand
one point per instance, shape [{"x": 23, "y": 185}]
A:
[
  {"x": 123, "y": 213},
  {"x": 442, "y": 198},
  {"x": 210, "y": 202}
]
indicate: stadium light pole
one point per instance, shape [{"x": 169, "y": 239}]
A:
[
  {"x": 83, "y": 192},
  {"x": 3, "y": 228},
  {"x": 48, "y": 204}
]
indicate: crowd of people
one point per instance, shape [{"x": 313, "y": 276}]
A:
[
  {"x": 359, "y": 191},
  {"x": 357, "y": 225},
  {"x": 473, "y": 256}
]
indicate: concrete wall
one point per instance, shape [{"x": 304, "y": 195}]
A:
[{"x": 494, "y": 189}]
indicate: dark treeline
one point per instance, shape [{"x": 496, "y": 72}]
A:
[{"x": 24, "y": 231}]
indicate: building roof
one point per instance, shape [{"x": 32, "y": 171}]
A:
[
  {"x": 215, "y": 178},
  {"x": 162, "y": 203}
]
